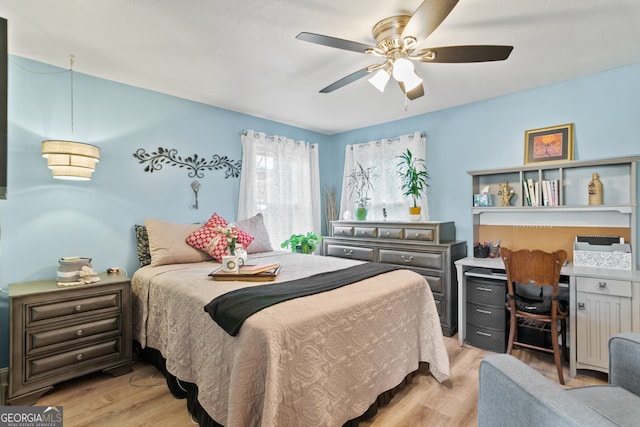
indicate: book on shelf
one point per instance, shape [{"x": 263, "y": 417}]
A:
[
  {"x": 533, "y": 194},
  {"x": 249, "y": 272},
  {"x": 525, "y": 193}
]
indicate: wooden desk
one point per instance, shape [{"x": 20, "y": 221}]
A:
[{"x": 602, "y": 302}]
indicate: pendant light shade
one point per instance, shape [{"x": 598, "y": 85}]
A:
[{"x": 70, "y": 160}]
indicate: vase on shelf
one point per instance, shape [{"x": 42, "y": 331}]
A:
[{"x": 595, "y": 190}]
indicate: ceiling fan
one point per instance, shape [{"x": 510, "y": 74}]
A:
[{"x": 397, "y": 38}]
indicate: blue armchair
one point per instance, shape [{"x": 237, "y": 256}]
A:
[{"x": 513, "y": 394}]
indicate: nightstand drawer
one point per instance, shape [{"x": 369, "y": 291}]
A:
[
  {"x": 39, "y": 366},
  {"x": 433, "y": 260},
  {"x": 619, "y": 288},
  {"x": 353, "y": 252},
  {"x": 391, "y": 233},
  {"x": 41, "y": 340},
  {"x": 436, "y": 283},
  {"x": 422, "y": 234},
  {"x": 39, "y": 312}
]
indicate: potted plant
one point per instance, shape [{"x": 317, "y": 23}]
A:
[
  {"x": 359, "y": 184},
  {"x": 302, "y": 243},
  {"x": 414, "y": 175}
]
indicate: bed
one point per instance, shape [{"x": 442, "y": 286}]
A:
[{"x": 317, "y": 360}]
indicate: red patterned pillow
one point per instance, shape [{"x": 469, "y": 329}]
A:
[{"x": 211, "y": 240}]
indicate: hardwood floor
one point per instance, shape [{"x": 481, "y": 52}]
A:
[{"x": 141, "y": 398}]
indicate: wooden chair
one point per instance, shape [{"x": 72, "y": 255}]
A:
[{"x": 542, "y": 269}]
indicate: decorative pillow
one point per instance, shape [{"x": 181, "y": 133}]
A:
[
  {"x": 214, "y": 242},
  {"x": 142, "y": 239},
  {"x": 167, "y": 243},
  {"x": 255, "y": 227}
]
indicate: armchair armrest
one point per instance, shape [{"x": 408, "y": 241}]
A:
[
  {"x": 513, "y": 394},
  {"x": 624, "y": 361}
]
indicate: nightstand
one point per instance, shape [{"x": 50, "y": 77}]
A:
[{"x": 59, "y": 333}]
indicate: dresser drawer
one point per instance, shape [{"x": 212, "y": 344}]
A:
[
  {"x": 365, "y": 232},
  {"x": 37, "y": 367},
  {"x": 46, "y": 339},
  {"x": 486, "y": 315},
  {"x": 434, "y": 260},
  {"x": 342, "y": 231},
  {"x": 488, "y": 292},
  {"x": 619, "y": 288},
  {"x": 422, "y": 234},
  {"x": 39, "y": 312},
  {"x": 390, "y": 233},
  {"x": 353, "y": 252},
  {"x": 436, "y": 283}
]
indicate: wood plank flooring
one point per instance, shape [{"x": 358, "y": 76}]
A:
[{"x": 141, "y": 398}]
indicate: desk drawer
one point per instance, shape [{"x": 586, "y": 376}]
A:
[
  {"x": 488, "y": 292},
  {"x": 434, "y": 260},
  {"x": 353, "y": 252},
  {"x": 486, "y": 338},
  {"x": 486, "y": 316},
  {"x": 619, "y": 288}
]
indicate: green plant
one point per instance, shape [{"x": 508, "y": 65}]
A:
[
  {"x": 304, "y": 243},
  {"x": 359, "y": 184},
  {"x": 414, "y": 175}
]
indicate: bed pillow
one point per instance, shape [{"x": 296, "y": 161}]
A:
[
  {"x": 167, "y": 243},
  {"x": 212, "y": 241},
  {"x": 142, "y": 248},
  {"x": 255, "y": 227}
]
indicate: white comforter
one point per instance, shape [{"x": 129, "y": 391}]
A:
[{"x": 320, "y": 360}]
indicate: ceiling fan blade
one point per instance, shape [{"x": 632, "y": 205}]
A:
[
  {"x": 427, "y": 17},
  {"x": 346, "y": 80},
  {"x": 414, "y": 93},
  {"x": 471, "y": 53},
  {"x": 334, "y": 42}
]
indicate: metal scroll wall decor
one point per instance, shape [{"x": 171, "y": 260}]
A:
[{"x": 194, "y": 164}]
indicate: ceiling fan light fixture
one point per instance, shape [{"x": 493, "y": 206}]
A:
[
  {"x": 411, "y": 81},
  {"x": 380, "y": 79},
  {"x": 402, "y": 69}
]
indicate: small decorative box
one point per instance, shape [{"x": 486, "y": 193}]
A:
[{"x": 482, "y": 200}]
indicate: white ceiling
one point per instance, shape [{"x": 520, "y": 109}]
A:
[{"x": 243, "y": 55}]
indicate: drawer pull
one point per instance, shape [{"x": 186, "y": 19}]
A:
[
  {"x": 417, "y": 235},
  {"x": 602, "y": 285},
  {"x": 79, "y": 356},
  {"x": 484, "y": 334},
  {"x": 79, "y": 332},
  {"x": 483, "y": 311},
  {"x": 484, "y": 289},
  {"x": 348, "y": 252},
  {"x": 407, "y": 260},
  {"x": 581, "y": 306},
  {"x": 78, "y": 307},
  {"x": 388, "y": 233}
]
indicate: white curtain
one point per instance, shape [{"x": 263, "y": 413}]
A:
[
  {"x": 281, "y": 179},
  {"x": 386, "y": 193}
]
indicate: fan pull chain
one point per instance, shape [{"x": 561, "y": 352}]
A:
[{"x": 406, "y": 102}]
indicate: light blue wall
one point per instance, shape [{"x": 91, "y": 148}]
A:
[
  {"x": 44, "y": 219},
  {"x": 604, "y": 107}
]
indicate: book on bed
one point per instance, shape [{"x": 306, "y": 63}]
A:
[{"x": 249, "y": 272}]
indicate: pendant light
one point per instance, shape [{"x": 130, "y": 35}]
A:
[{"x": 70, "y": 160}]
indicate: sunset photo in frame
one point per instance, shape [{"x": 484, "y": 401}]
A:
[{"x": 551, "y": 144}]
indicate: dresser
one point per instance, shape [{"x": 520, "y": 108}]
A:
[
  {"x": 59, "y": 333},
  {"x": 428, "y": 248}
]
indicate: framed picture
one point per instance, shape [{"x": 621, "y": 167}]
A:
[{"x": 550, "y": 144}]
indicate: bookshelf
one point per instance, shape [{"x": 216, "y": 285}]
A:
[{"x": 571, "y": 208}]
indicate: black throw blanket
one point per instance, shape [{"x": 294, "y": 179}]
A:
[{"x": 233, "y": 308}]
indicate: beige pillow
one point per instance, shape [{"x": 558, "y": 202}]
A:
[
  {"x": 167, "y": 243},
  {"x": 255, "y": 227}
]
